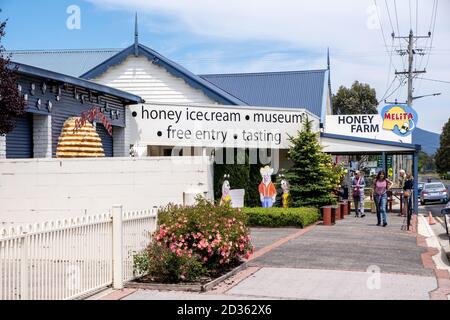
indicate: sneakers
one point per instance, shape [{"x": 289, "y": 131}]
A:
[
  {"x": 363, "y": 215},
  {"x": 384, "y": 224},
  {"x": 378, "y": 224}
]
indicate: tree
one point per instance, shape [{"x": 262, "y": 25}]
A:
[
  {"x": 12, "y": 104},
  {"x": 426, "y": 162},
  {"x": 311, "y": 178},
  {"x": 359, "y": 99},
  {"x": 442, "y": 158}
]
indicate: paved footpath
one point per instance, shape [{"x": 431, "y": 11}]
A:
[{"x": 353, "y": 259}]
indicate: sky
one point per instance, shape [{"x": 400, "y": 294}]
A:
[{"x": 225, "y": 36}]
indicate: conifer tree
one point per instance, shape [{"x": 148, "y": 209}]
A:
[{"x": 311, "y": 178}]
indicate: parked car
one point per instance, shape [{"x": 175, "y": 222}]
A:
[
  {"x": 435, "y": 191},
  {"x": 420, "y": 187}
]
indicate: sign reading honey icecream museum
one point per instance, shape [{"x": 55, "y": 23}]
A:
[
  {"x": 393, "y": 123},
  {"x": 216, "y": 125}
]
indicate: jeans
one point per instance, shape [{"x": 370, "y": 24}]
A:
[
  {"x": 380, "y": 203},
  {"x": 267, "y": 202},
  {"x": 359, "y": 204}
]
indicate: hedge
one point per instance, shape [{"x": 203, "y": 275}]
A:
[{"x": 282, "y": 217}]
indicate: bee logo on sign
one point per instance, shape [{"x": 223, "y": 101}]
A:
[{"x": 400, "y": 119}]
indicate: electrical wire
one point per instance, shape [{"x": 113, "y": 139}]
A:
[
  {"x": 434, "y": 80},
  {"x": 402, "y": 82},
  {"x": 431, "y": 29},
  {"x": 387, "y": 51},
  {"x": 432, "y": 34},
  {"x": 398, "y": 30}
]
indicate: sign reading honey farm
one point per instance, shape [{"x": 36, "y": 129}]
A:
[{"x": 393, "y": 123}]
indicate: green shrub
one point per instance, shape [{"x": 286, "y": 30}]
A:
[
  {"x": 282, "y": 217},
  {"x": 195, "y": 241},
  {"x": 160, "y": 262}
]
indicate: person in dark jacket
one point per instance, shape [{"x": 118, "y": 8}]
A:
[{"x": 408, "y": 188}]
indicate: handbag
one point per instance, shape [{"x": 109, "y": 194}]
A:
[
  {"x": 406, "y": 193},
  {"x": 356, "y": 192}
]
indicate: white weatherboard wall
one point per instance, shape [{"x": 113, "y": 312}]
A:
[
  {"x": 153, "y": 83},
  {"x": 33, "y": 190}
]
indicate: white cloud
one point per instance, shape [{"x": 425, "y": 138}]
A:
[{"x": 346, "y": 26}]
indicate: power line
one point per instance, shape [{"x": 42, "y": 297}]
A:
[
  {"x": 410, "y": 15},
  {"x": 386, "y": 46},
  {"x": 417, "y": 16},
  {"x": 431, "y": 31},
  {"x": 434, "y": 80},
  {"x": 398, "y": 30},
  {"x": 386, "y": 95}
]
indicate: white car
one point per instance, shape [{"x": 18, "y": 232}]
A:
[{"x": 434, "y": 191}]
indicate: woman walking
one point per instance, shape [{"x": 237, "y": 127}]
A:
[
  {"x": 380, "y": 187},
  {"x": 358, "y": 186}
]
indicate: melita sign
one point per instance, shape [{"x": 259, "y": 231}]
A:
[
  {"x": 400, "y": 119},
  {"x": 393, "y": 123}
]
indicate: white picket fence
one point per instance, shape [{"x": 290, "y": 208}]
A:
[{"x": 71, "y": 258}]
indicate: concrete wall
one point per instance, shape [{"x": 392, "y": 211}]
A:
[{"x": 34, "y": 190}]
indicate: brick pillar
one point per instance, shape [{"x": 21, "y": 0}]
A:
[
  {"x": 2, "y": 146},
  {"x": 42, "y": 136}
]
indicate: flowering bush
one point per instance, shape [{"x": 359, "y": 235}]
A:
[{"x": 195, "y": 241}]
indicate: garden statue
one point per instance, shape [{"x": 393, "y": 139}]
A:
[
  {"x": 225, "y": 200},
  {"x": 285, "y": 196},
  {"x": 267, "y": 191}
]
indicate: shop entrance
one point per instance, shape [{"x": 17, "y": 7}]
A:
[{"x": 369, "y": 156}]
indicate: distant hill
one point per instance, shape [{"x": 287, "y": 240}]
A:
[{"x": 429, "y": 141}]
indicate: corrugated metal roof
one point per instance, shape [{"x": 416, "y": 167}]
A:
[
  {"x": 48, "y": 74},
  {"x": 70, "y": 62},
  {"x": 195, "y": 81},
  {"x": 291, "y": 89}
]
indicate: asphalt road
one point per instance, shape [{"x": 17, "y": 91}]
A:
[{"x": 435, "y": 209}]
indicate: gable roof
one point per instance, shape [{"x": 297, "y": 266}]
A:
[
  {"x": 70, "y": 62},
  {"x": 290, "y": 89},
  {"x": 192, "y": 79},
  {"x": 51, "y": 75}
]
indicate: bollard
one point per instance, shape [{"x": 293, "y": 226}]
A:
[
  {"x": 337, "y": 212},
  {"x": 342, "y": 206},
  {"x": 326, "y": 216},
  {"x": 349, "y": 207},
  {"x": 345, "y": 207}
]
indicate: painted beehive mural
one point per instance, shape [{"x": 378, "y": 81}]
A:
[{"x": 83, "y": 142}]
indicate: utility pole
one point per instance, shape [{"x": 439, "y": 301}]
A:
[{"x": 411, "y": 51}]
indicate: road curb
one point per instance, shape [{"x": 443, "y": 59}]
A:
[{"x": 434, "y": 256}]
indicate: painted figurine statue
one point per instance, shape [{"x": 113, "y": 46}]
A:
[
  {"x": 285, "y": 196},
  {"x": 225, "y": 200},
  {"x": 267, "y": 190}
]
